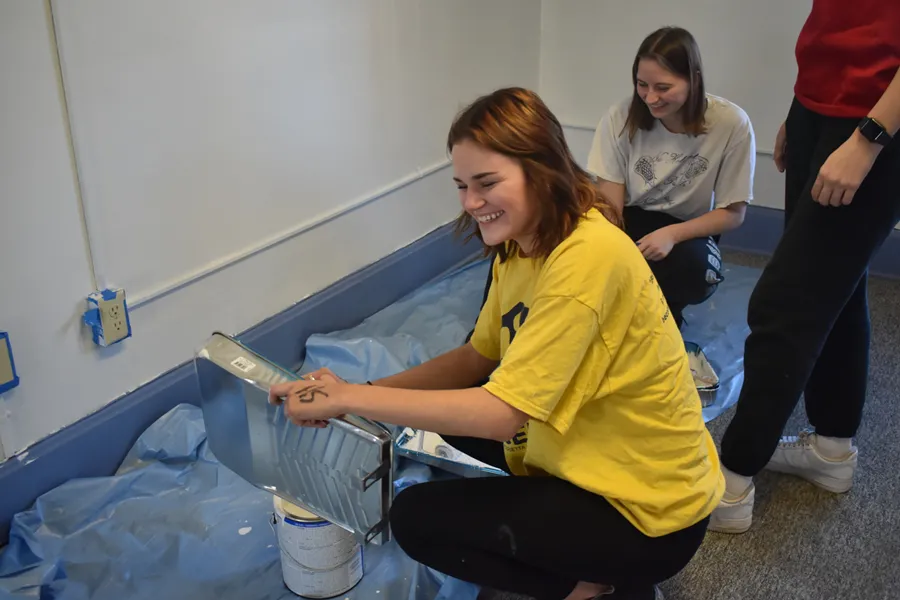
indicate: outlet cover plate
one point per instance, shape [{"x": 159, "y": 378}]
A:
[{"x": 107, "y": 316}]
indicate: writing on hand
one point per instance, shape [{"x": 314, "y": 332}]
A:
[{"x": 308, "y": 395}]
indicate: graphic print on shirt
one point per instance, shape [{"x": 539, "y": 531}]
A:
[
  {"x": 516, "y": 446},
  {"x": 662, "y": 298},
  {"x": 508, "y": 321},
  {"x": 513, "y": 321},
  {"x": 667, "y": 171}
]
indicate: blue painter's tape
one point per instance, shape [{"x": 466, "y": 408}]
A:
[
  {"x": 8, "y": 385},
  {"x": 92, "y": 317}
]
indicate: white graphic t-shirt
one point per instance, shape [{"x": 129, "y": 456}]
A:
[{"x": 677, "y": 173}]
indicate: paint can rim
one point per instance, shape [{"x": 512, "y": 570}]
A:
[{"x": 296, "y": 512}]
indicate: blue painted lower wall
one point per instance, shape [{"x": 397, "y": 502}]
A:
[
  {"x": 95, "y": 445},
  {"x": 762, "y": 230}
]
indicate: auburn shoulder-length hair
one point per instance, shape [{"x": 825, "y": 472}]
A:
[
  {"x": 676, "y": 50},
  {"x": 515, "y": 122}
]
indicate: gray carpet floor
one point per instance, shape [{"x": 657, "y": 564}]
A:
[{"x": 808, "y": 544}]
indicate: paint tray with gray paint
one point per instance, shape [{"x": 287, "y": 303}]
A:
[{"x": 343, "y": 472}]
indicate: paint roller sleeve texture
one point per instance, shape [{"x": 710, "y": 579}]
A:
[{"x": 590, "y": 351}]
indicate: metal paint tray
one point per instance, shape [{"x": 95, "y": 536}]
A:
[
  {"x": 705, "y": 378},
  {"x": 429, "y": 448},
  {"x": 343, "y": 472}
]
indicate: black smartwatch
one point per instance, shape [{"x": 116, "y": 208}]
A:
[{"x": 874, "y": 131}]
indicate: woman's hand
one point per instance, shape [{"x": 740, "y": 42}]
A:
[
  {"x": 309, "y": 402},
  {"x": 657, "y": 244},
  {"x": 325, "y": 373},
  {"x": 844, "y": 171},
  {"x": 780, "y": 148}
]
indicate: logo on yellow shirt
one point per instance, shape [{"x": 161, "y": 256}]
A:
[
  {"x": 514, "y": 451},
  {"x": 518, "y": 441},
  {"x": 662, "y": 299},
  {"x": 508, "y": 321}
]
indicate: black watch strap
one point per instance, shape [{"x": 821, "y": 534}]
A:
[{"x": 874, "y": 131}]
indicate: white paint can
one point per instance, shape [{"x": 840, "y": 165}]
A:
[{"x": 318, "y": 558}]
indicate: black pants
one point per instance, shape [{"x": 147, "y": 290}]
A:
[
  {"x": 536, "y": 536},
  {"x": 809, "y": 315},
  {"x": 691, "y": 272}
]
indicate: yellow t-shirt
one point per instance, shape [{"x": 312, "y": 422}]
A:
[{"x": 589, "y": 350}]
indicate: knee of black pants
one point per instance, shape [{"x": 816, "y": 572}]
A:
[
  {"x": 684, "y": 287},
  {"x": 697, "y": 292},
  {"x": 765, "y": 307},
  {"x": 690, "y": 274},
  {"x": 408, "y": 516}
]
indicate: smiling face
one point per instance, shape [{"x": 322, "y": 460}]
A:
[
  {"x": 493, "y": 190},
  {"x": 664, "y": 92}
]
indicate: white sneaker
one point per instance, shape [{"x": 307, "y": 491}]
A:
[
  {"x": 734, "y": 516},
  {"x": 799, "y": 456}
]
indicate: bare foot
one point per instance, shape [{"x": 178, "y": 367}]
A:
[{"x": 587, "y": 591}]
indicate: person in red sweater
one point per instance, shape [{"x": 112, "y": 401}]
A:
[{"x": 808, "y": 315}]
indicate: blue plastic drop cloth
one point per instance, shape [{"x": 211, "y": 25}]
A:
[
  {"x": 174, "y": 523},
  {"x": 433, "y": 320},
  {"x": 719, "y": 326}
]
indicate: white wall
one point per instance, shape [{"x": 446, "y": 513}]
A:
[
  {"x": 588, "y": 46},
  {"x": 44, "y": 265},
  {"x": 204, "y": 133}
]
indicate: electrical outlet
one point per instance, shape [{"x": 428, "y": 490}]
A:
[
  {"x": 107, "y": 316},
  {"x": 114, "y": 319}
]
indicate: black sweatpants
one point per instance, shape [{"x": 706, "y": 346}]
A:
[
  {"x": 691, "y": 272},
  {"x": 536, "y": 536},
  {"x": 809, "y": 314}
]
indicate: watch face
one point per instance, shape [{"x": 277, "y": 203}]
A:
[{"x": 874, "y": 132}]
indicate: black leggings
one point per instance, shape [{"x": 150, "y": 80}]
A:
[
  {"x": 809, "y": 313},
  {"x": 536, "y": 536},
  {"x": 691, "y": 272}
]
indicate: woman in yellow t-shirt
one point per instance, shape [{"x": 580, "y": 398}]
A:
[{"x": 590, "y": 403}]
